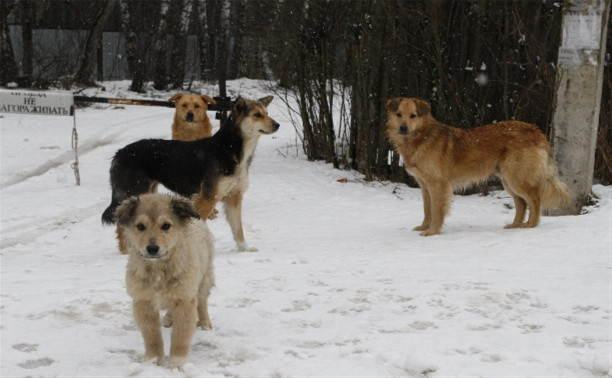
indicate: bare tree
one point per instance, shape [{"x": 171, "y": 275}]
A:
[
  {"x": 236, "y": 39},
  {"x": 160, "y": 77},
  {"x": 9, "y": 71},
  {"x": 178, "y": 49},
  {"x": 92, "y": 45},
  {"x": 136, "y": 62}
]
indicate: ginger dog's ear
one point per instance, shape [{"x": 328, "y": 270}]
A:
[
  {"x": 126, "y": 211},
  {"x": 393, "y": 104},
  {"x": 176, "y": 97},
  {"x": 184, "y": 208},
  {"x": 422, "y": 107},
  {"x": 266, "y": 100},
  {"x": 209, "y": 100}
]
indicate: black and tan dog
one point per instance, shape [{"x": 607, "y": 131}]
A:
[{"x": 208, "y": 170}]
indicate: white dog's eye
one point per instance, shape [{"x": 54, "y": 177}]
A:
[
  {"x": 140, "y": 227},
  {"x": 165, "y": 226}
]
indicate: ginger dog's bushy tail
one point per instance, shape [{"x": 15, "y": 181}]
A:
[{"x": 553, "y": 192}]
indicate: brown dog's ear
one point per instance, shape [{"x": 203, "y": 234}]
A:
[
  {"x": 184, "y": 208},
  {"x": 176, "y": 97},
  {"x": 266, "y": 100},
  {"x": 422, "y": 107},
  {"x": 393, "y": 104},
  {"x": 209, "y": 100},
  {"x": 125, "y": 212}
]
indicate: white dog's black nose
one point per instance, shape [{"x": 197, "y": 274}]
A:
[{"x": 152, "y": 249}]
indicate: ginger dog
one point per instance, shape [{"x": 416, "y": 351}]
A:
[
  {"x": 443, "y": 158},
  {"x": 190, "y": 119}
]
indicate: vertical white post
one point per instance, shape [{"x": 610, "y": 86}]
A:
[
  {"x": 75, "y": 147},
  {"x": 578, "y": 96}
]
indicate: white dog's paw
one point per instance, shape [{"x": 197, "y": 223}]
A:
[
  {"x": 244, "y": 247},
  {"x": 167, "y": 320},
  {"x": 176, "y": 362}
]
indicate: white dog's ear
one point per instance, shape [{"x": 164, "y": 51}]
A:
[
  {"x": 125, "y": 212},
  {"x": 184, "y": 208},
  {"x": 266, "y": 100}
]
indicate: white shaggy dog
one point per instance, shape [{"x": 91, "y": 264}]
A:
[{"x": 169, "y": 267}]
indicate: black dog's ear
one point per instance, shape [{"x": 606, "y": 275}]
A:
[
  {"x": 393, "y": 104},
  {"x": 125, "y": 212},
  {"x": 184, "y": 208},
  {"x": 422, "y": 107},
  {"x": 266, "y": 100},
  {"x": 239, "y": 106}
]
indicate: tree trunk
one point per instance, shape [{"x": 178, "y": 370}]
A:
[
  {"x": 220, "y": 37},
  {"x": 235, "y": 69},
  {"x": 9, "y": 71},
  {"x": 136, "y": 63},
  {"x": 203, "y": 41},
  {"x": 94, "y": 40},
  {"x": 179, "y": 47},
  {"x": 27, "y": 23},
  {"x": 160, "y": 76}
]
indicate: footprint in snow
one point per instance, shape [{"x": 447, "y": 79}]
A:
[
  {"x": 33, "y": 364},
  {"x": 242, "y": 303},
  {"x": 298, "y": 306},
  {"x": 584, "y": 309},
  {"x": 26, "y": 348}
]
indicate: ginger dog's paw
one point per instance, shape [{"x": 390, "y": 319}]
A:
[
  {"x": 421, "y": 228},
  {"x": 429, "y": 233}
]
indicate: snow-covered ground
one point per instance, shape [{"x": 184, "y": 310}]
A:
[{"x": 340, "y": 286}]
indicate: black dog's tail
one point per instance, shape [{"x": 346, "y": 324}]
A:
[{"x": 108, "y": 216}]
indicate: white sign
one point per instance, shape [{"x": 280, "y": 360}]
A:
[
  {"x": 38, "y": 103},
  {"x": 581, "y": 31},
  {"x": 569, "y": 57}
]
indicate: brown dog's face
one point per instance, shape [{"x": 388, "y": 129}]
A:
[
  {"x": 154, "y": 223},
  {"x": 252, "y": 116},
  {"x": 190, "y": 107},
  {"x": 406, "y": 115}
]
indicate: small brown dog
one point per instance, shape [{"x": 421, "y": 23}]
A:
[
  {"x": 190, "y": 119},
  {"x": 443, "y": 158},
  {"x": 169, "y": 266}
]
